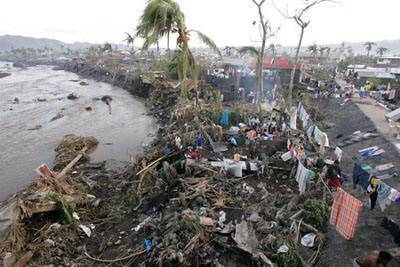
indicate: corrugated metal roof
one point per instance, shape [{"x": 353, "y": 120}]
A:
[{"x": 276, "y": 63}]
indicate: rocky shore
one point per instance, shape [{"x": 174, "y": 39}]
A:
[{"x": 4, "y": 74}]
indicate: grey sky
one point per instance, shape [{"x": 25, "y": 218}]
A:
[{"x": 228, "y": 22}]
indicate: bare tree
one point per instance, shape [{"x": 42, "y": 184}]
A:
[
  {"x": 265, "y": 33},
  {"x": 298, "y": 17}
]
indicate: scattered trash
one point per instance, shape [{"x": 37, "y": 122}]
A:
[
  {"x": 83, "y": 83},
  {"x": 139, "y": 226},
  {"x": 86, "y": 230},
  {"x": 36, "y": 127},
  {"x": 75, "y": 216},
  {"x": 245, "y": 237},
  {"x": 49, "y": 242},
  {"x": 73, "y": 96},
  {"x": 221, "y": 218},
  {"x": 58, "y": 116},
  {"x": 148, "y": 244},
  {"x": 283, "y": 249},
  {"x": 254, "y": 217},
  {"x": 308, "y": 240}
]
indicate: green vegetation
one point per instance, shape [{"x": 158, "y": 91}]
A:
[
  {"x": 316, "y": 212},
  {"x": 163, "y": 17}
]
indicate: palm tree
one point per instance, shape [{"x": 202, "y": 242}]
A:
[
  {"x": 129, "y": 40},
  {"x": 368, "y": 47},
  {"x": 163, "y": 17},
  {"x": 322, "y": 51},
  {"x": 273, "y": 48},
  {"x": 328, "y": 51},
  {"x": 158, "y": 19},
  {"x": 228, "y": 50},
  {"x": 381, "y": 50},
  {"x": 107, "y": 47},
  {"x": 313, "y": 49}
]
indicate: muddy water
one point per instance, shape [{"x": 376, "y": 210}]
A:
[{"x": 121, "y": 133}]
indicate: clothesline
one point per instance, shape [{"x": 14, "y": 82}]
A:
[{"x": 313, "y": 132}]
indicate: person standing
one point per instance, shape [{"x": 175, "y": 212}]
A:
[{"x": 372, "y": 190}]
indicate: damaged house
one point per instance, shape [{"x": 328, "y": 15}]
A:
[{"x": 235, "y": 73}]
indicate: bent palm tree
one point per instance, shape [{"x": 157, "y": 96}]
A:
[
  {"x": 381, "y": 50},
  {"x": 157, "y": 21},
  {"x": 313, "y": 49},
  {"x": 129, "y": 40},
  {"x": 368, "y": 47},
  {"x": 163, "y": 17}
]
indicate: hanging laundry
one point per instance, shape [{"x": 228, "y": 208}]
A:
[
  {"x": 321, "y": 137},
  {"x": 360, "y": 176},
  {"x": 310, "y": 132},
  {"x": 392, "y": 94},
  {"x": 394, "y": 195},
  {"x": 301, "y": 177},
  {"x": 338, "y": 153},
  {"x": 293, "y": 119},
  {"x": 383, "y": 195},
  {"x": 344, "y": 213},
  {"x": 306, "y": 121}
]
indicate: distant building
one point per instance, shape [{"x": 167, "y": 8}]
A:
[
  {"x": 382, "y": 74},
  {"x": 279, "y": 66},
  {"x": 234, "y": 73},
  {"x": 391, "y": 62}
]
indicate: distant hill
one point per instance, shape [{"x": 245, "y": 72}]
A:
[{"x": 9, "y": 42}]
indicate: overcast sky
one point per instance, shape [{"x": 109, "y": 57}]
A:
[{"x": 228, "y": 22}]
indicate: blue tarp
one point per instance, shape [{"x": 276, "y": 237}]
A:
[{"x": 225, "y": 117}]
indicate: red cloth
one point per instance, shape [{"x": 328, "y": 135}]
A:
[
  {"x": 195, "y": 154},
  {"x": 344, "y": 213},
  {"x": 334, "y": 182}
]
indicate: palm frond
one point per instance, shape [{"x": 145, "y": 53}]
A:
[
  {"x": 249, "y": 50},
  {"x": 207, "y": 41}
]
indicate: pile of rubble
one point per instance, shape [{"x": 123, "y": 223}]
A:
[{"x": 222, "y": 204}]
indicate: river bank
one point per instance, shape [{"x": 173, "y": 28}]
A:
[
  {"x": 36, "y": 114},
  {"x": 160, "y": 95},
  {"x": 173, "y": 208},
  {"x": 176, "y": 207}
]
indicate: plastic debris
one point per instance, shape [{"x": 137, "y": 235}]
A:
[
  {"x": 283, "y": 249},
  {"x": 222, "y": 218},
  {"x": 148, "y": 244},
  {"x": 308, "y": 240},
  {"x": 140, "y": 225},
  {"x": 86, "y": 230},
  {"x": 76, "y": 216}
]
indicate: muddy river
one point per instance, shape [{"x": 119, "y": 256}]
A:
[{"x": 31, "y": 98}]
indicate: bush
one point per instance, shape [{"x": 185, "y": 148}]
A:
[{"x": 315, "y": 212}]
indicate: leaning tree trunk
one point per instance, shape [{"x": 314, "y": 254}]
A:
[
  {"x": 292, "y": 75},
  {"x": 168, "y": 49}
]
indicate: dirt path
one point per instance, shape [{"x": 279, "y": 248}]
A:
[
  {"x": 376, "y": 114},
  {"x": 370, "y": 235}
]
